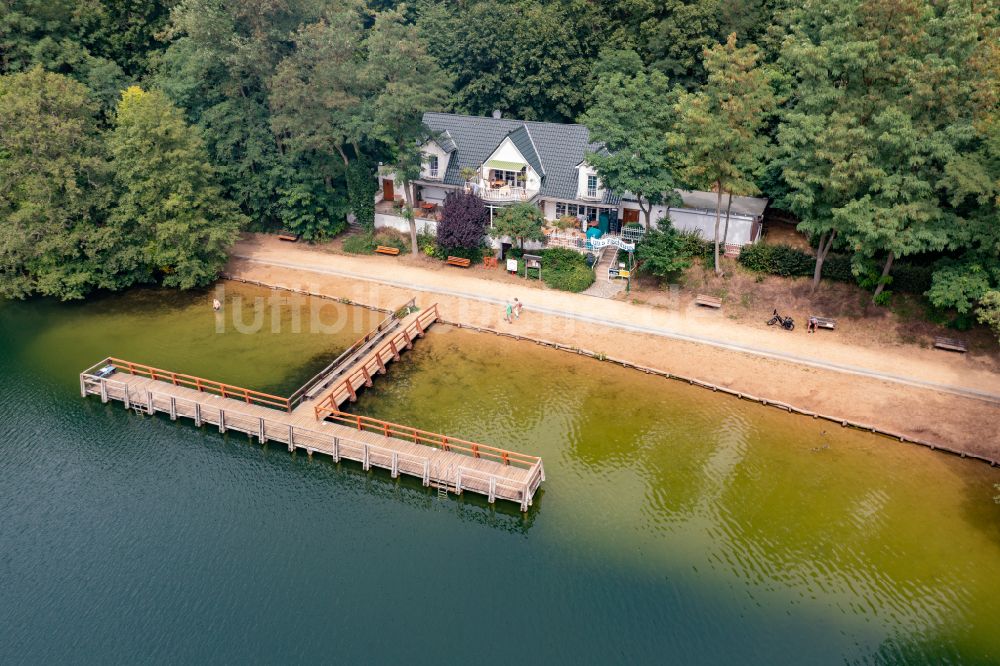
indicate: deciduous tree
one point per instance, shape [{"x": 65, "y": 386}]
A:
[
  {"x": 522, "y": 221},
  {"x": 719, "y": 128},
  {"x": 170, "y": 207},
  {"x": 53, "y": 187},
  {"x": 630, "y": 117}
]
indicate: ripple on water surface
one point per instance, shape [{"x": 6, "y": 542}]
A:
[{"x": 675, "y": 524}]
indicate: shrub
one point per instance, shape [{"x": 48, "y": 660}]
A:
[
  {"x": 564, "y": 269},
  {"x": 570, "y": 278},
  {"x": 757, "y": 258},
  {"x": 359, "y": 244},
  {"x": 661, "y": 253},
  {"x": 790, "y": 262},
  {"x": 692, "y": 244},
  {"x": 463, "y": 222},
  {"x": 427, "y": 243},
  {"x": 838, "y": 267},
  {"x": 392, "y": 238}
]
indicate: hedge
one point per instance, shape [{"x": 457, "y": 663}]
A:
[
  {"x": 788, "y": 261},
  {"x": 562, "y": 269}
]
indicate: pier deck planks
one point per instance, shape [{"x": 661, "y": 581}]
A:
[{"x": 455, "y": 471}]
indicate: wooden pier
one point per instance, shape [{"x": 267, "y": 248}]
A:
[{"x": 318, "y": 426}]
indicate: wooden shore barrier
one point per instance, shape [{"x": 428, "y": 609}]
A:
[
  {"x": 449, "y": 464},
  {"x": 741, "y": 395}
]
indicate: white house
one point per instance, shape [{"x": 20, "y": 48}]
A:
[{"x": 508, "y": 161}]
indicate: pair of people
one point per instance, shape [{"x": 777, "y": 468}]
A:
[{"x": 512, "y": 311}]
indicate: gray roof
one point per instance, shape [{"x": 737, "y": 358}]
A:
[
  {"x": 446, "y": 142},
  {"x": 751, "y": 206},
  {"x": 557, "y": 148},
  {"x": 521, "y": 138}
]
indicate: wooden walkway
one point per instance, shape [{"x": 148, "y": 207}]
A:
[
  {"x": 446, "y": 463},
  {"x": 361, "y": 370}
]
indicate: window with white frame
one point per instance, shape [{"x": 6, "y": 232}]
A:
[
  {"x": 591, "y": 185},
  {"x": 432, "y": 166}
]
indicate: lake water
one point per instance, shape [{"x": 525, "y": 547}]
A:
[{"x": 676, "y": 525}]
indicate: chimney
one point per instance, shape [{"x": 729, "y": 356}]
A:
[{"x": 496, "y": 114}]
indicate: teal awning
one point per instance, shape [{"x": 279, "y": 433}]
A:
[{"x": 504, "y": 165}]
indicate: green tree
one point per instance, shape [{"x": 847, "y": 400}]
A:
[
  {"x": 170, "y": 207},
  {"x": 989, "y": 312},
  {"x": 53, "y": 187},
  {"x": 882, "y": 145},
  {"x": 630, "y": 117},
  {"x": 526, "y": 58},
  {"x": 662, "y": 252},
  {"x": 407, "y": 81},
  {"x": 522, "y": 221},
  {"x": 719, "y": 128}
]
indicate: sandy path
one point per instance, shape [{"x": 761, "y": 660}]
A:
[{"x": 947, "y": 398}]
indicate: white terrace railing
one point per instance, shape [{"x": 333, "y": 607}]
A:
[{"x": 505, "y": 193}]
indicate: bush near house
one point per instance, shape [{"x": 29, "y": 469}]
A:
[
  {"x": 462, "y": 227},
  {"x": 562, "y": 269},
  {"x": 366, "y": 243},
  {"x": 787, "y": 261}
]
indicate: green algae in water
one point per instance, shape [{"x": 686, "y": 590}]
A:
[
  {"x": 881, "y": 542},
  {"x": 676, "y": 525}
]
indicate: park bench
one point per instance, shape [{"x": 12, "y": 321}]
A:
[
  {"x": 824, "y": 322},
  {"x": 459, "y": 261},
  {"x": 385, "y": 249},
  {"x": 950, "y": 344},
  {"x": 288, "y": 236},
  {"x": 708, "y": 301}
]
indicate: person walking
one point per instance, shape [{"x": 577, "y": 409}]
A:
[
  {"x": 517, "y": 308},
  {"x": 216, "y": 305},
  {"x": 508, "y": 313}
]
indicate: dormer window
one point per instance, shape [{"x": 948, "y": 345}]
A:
[
  {"x": 432, "y": 166},
  {"x": 592, "y": 186}
]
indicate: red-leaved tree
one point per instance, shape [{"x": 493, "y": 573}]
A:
[{"x": 463, "y": 222}]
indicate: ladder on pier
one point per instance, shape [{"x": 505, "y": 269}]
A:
[{"x": 443, "y": 487}]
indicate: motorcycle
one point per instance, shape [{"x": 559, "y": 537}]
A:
[{"x": 787, "y": 323}]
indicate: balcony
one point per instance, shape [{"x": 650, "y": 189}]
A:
[{"x": 505, "y": 193}]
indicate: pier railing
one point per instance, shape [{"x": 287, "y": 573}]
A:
[
  {"x": 201, "y": 384},
  {"x": 327, "y": 372},
  {"x": 433, "y": 439}
]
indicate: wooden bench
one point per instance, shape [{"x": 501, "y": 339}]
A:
[
  {"x": 459, "y": 261},
  {"x": 385, "y": 249},
  {"x": 824, "y": 322},
  {"x": 288, "y": 236},
  {"x": 950, "y": 344},
  {"x": 708, "y": 301}
]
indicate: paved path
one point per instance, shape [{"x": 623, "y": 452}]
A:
[{"x": 610, "y": 314}]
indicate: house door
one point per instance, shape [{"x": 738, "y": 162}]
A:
[
  {"x": 630, "y": 215},
  {"x": 387, "y": 192}
]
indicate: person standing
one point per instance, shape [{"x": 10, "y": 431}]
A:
[{"x": 216, "y": 305}]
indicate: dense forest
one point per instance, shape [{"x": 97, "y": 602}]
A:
[{"x": 137, "y": 137}]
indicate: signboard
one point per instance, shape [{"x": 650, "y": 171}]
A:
[
  {"x": 512, "y": 265},
  {"x": 624, "y": 273},
  {"x": 533, "y": 261}
]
